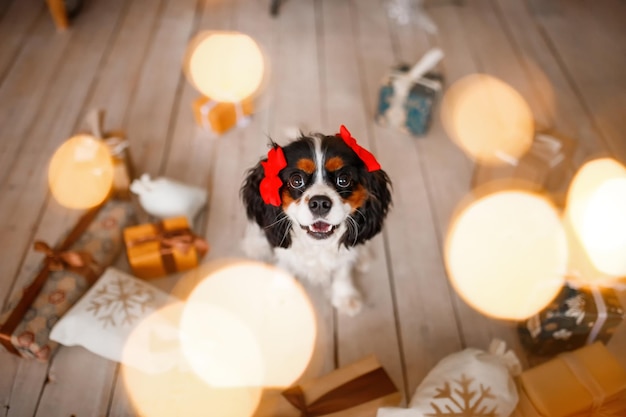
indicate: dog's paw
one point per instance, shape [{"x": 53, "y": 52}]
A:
[{"x": 347, "y": 302}]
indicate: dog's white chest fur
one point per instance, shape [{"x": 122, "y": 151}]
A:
[{"x": 324, "y": 263}]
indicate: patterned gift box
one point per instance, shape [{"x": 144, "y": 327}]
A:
[
  {"x": 157, "y": 249},
  {"x": 587, "y": 382},
  {"x": 66, "y": 274},
  {"x": 574, "y": 318},
  {"x": 218, "y": 117},
  {"x": 411, "y": 112},
  {"x": 355, "y": 390}
]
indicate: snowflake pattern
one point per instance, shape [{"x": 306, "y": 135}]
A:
[
  {"x": 121, "y": 301},
  {"x": 464, "y": 401}
]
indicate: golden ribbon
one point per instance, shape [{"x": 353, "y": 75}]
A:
[{"x": 365, "y": 388}]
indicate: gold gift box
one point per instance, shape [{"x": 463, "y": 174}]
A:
[
  {"x": 355, "y": 390},
  {"x": 586, "y": 382},
  {"x": 166, "y": 247},
  {"x": 219, "y": 117}
]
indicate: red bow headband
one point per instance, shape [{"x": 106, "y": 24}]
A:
[
  {"x": 271, "y": 183},
  {"x": 368, "y": 159}
]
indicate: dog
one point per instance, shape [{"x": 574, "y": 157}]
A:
[{"x": 312, "y": 205}]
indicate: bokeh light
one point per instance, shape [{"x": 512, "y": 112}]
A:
[
  {"x": 596, "y": 211},
  {"x": 173, "y": 389},
  {"x": 506, "y": 254},
  {"x": 250, "y": 316},
  {"x": 487, "y": 119},
  {"x": 80, "y": 174},
  {"x": 224, "y": 66}
]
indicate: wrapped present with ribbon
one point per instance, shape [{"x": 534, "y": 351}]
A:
[
  {"x": 546, "y": 166},
  {"x": 587, "y": 382},
  {"x": 67, "y": 272},
  {"x": 408, "y": 95},
  {"x": 123, "y": 169},
  {"x": 472, "y": 383},
  {"x": 355, "y": 390},
  {"x": 218, "y": 117},
  {"x": 158, "y": 249},
  {"x": 576, "y": 317}
]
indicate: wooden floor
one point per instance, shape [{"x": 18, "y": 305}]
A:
[{"x": 567, "y": 58}]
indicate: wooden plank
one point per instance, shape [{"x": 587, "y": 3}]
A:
[
  {"x": 25, "y": 87},
  {"x": 342, "y": 95},
  {"x": 566, "y": 113},
  {"x": 594, "y": 62},
  {"x": 150, "y": 115},
  {"x": 28, "y": 212},
  {"x": 427, "y": 327},
  {"x": 16, "y": 21}
]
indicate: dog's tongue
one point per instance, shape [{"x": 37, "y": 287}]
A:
[{"x": 320, "y": 227}]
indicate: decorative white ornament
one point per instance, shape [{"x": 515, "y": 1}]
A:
[{"x": 164, "y": 198}]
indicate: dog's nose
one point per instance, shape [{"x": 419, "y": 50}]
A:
[{"x": 320, "y": 205}]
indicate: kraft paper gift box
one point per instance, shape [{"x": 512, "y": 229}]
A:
[
  {"x": 355, "y": 390},
  {"x": 588, "y": 382},
  {"x": 158, "y": 249},
  {"x": 66, "y": 274},
  {"x": 123, "y": 169},
  {"x": 407, "y": 96},
  {"x": 577, "y": 316},
  {"x": 219, "y": 117}
]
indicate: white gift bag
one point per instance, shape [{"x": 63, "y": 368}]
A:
[{"x": 471, "y": 383}]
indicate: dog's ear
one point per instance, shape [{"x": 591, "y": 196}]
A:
[
  {"x": 371, "y": 216},
  {"x": 271, "y": 219}
]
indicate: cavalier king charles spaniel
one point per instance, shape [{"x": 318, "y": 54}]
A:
[{"x": 311, "y": 205}]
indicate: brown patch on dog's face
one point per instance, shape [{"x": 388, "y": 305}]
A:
[
  {"x": 334, "y": 163},
  {"x": 306, "y": 165},
  {"x": 357, "y": 198},
  {"x": 287, "y": 199}
]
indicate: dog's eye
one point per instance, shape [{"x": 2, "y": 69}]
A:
[
  {"x": 343, "y": 180},
  {"x": 296, "y": 181}
]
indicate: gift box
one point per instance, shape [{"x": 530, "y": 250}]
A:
[
  {"x": 577, "y": 316},
  {"x": 66, "y": 274},
  {"x": 547, "y": 165},
  {"x": 218, "y": 117},
  {"x": 162, "y": 248},
  {"x": 123, "y": 169},
  {"x": 412, "y": 113},
  {"x": 586, "y": 382},
  {"x": 408, "y": 94},
  {"x": 355, "y": 390}
]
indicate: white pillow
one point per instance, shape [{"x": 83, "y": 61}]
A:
[{"x": 104, "y": 318}]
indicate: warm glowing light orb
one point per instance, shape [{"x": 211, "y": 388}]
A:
[
  {"x": 596, "y": 210},
  {"x": 488, "y": 119},
  {"x": 80, "y": 174},
  {"x": 250, "y": 317},
  {"x": 506, "y": 254},
  {"x": 173, "y": 389},
  {"x": 225, "y": 66}
]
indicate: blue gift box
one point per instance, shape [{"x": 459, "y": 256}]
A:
[{"x": 417, "y": 106}]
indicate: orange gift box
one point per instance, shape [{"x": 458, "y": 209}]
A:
[
  {"x": 585, "y": 382},
  {"x": 162, "y": 248},
  {"x": 218, "y": 117},
  {"x": 355, "y": 390}
]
